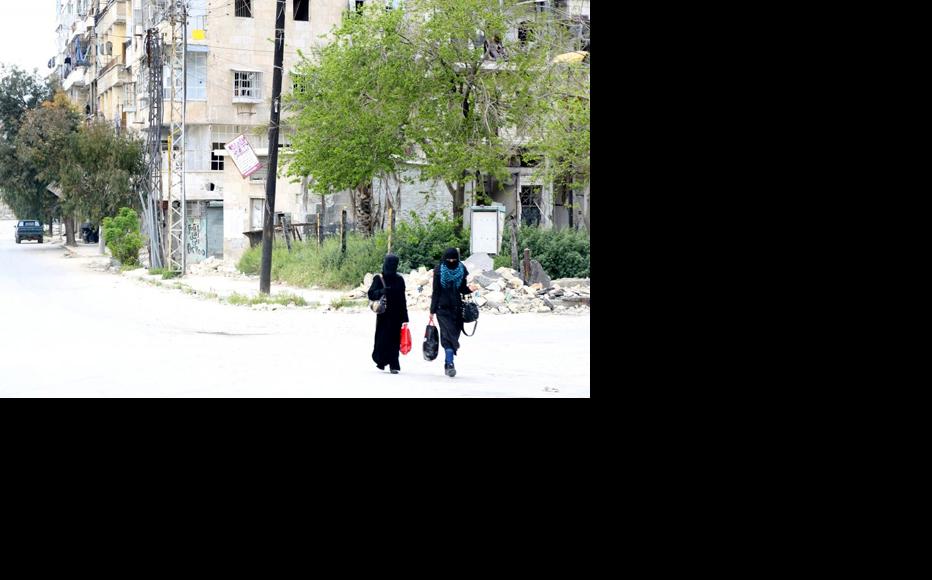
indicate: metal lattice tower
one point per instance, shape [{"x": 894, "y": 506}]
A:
[
  {"x": 153, "y": 201},
  {"x": 166, "y": 23},
  {"x": 177, "y": 16}
]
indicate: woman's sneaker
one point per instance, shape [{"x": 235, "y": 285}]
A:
[{"x": 450, "y": 369}]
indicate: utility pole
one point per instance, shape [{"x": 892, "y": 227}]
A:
[{"x": 268, "y": 229}]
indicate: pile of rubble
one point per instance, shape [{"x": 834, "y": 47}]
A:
[
  {"x": 214, "y": 266},
  {"x": 502, "y": 291}
]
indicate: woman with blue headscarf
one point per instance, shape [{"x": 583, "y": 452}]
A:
[{"x": 447, "y": 303}]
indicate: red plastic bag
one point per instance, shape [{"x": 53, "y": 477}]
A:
[{"x": 405, "y": 339}]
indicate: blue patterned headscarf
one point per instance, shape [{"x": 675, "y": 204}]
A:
[{"x": 451, "y": 277}]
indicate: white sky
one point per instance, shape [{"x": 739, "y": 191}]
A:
[{"x": 27, "y": 33}]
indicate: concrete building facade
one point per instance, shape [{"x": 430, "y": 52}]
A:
[{"x": 100, "y": 61}]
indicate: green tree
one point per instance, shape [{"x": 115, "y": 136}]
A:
[
  {"x": 476, "y": 110},
  {"x": 20, "y": 185},
  {"x": 420, "y": 84},
  {"x": 353, "y": 104},
  {"x": 41, "y": 143},
  {"x": 100, "y": 171},
  {"x": 560, "y": 140}
]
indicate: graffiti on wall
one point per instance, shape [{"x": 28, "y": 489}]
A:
[{"x": 196, "y": 243}]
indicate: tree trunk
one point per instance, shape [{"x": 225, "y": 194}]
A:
[
  {"x": 69, "y": 231},
  {"x": 364, "y": 222},
  {"x": 458, "y": 192}
]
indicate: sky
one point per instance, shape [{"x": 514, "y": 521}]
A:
[{"x": 27, "y": 34}]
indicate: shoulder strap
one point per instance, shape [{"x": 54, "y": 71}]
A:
[{"x": 473, "y": 329}]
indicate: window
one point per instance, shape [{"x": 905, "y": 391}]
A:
[
  {"x": 359, "y": 5},
  {"x": 257, "y": 207},
  {"x": 263, "y": 172},
  {"x": 246, "y": 85},
  {"x": 217, "y": 161},
  {"x": 530, "y": 205},
  {"x": 197, "y": 76},
  {"x": 301, "y": 11},
  {"x": 129, "y": 97},
  {"x": 244, "y": 8}
]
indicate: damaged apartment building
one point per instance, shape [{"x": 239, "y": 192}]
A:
[{"x": 101, "y": 66}]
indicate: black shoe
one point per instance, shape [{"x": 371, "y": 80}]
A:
[
  {"x": 380, "y": 367},
  {"x": 395, "y": 371},
  {"x": 450, "y": 369}
]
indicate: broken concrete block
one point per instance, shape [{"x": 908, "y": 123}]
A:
[
  {"x": 479, "y": 263},
  {"x": 486, "y": 279},
  {"x": 538, "y": 275},
  {"x": 495, "y": 298},
  {"x": 577, "y": 300},
  {"x": 566, "y": 282},
  {"x": 480, "y": 301}
]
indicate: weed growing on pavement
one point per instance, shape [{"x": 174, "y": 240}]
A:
[
  {"x": 165, "y": 273},
  {"x": 339, "y": 303},
  {"x": 283, "y": 299}
]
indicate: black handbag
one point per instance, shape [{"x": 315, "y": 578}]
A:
[
  {"x": 431, "y": 341},
  {"x": 379, "y": 306},
  {"x": 470, "y": 314}
]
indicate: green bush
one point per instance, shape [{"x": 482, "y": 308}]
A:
[
  {"x": 562, "y": 253},
  {"x": 419, "y": 243},
  {"x": 122, "y": 236}
]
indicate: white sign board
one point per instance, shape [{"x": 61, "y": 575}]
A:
[
  {"x": 485, "y": 232},
  {"x": 243, "y": 156}
]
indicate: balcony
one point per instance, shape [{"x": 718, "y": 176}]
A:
[
  {"x": 112, "y": 15},
  {"x": 76, "y": 78}
]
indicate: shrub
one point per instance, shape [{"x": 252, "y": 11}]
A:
[
  {"x": 421, "y": 243},
  {"x": 562, "y": 253},
  {"x": 122, "y": 236}
]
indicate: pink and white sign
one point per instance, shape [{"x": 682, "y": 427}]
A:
[{"x": 243, "y": 156}]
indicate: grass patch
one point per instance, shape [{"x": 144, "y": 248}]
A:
[
  {"x": 338, "y": 303},
  {"x": 129, "y": 267},
  {"x": 165, "y": 273},
  {"x": 283, "y": 299},
  {"x": 309, "y": 265}
]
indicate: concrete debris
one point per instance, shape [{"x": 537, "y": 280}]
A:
[{"x": 501, "y": 291}]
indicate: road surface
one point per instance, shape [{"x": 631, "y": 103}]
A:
[{"x": 66, "y": 331}]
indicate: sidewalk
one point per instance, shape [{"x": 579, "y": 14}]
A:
[{"x": 220, "y": 285}]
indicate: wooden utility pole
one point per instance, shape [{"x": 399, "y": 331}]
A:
[
  {"x": 391, "y": 228},
  {"x": 268, "y": 230},
  {"x": 343, "y": 234}
]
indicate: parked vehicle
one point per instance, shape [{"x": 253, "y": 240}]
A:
[
  {"x": 90, "y": 233},
  {"x": 29, "y": 230}
]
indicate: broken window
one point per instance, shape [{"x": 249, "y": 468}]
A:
[
  {"x": 244, "y": 8},
  {"x": 246, "y": 85},
  {"x": 217, "y": 161},
  {"x": 301, "y": 10},
  {"x": 530, "y": 205}
]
